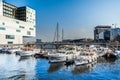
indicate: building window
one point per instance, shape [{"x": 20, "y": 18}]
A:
[
  {"x": 21, "y": 27},
  {"x": 17, "y": 22},
  {"x": 2, "y": 28},
  {"x": 10, "y": 42},
  {"x": 28, "y": 33},
  {"x": 18, "y": 31},
  {"x": 10, "y": 37},
  {"x": 31, "y": 28},
  {"x": 3, "y": 23}
]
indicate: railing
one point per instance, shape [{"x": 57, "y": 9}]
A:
[{"x": 68, "y": 43}]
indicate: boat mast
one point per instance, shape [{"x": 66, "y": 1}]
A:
[
  {"x": 62, "y": 34},
  {"x": 56, "y": 35},
  {"x": 57, "y": 32}
]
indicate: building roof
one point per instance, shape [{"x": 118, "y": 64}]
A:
[
  {"x": 103, "y": 26},
  {"x": 9, "y": 4}
]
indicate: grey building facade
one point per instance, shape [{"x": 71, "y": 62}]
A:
[
  {"x": 110, "y": 35},
  {"x": 99, "y": 29}
]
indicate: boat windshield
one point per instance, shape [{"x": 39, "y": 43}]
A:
[
  {"x": 118, "y": 49},
  {"x": 69, "y": 49},
  {"x": 84, "y": 54},
  {"x": 61, "y": 51},
  {"x": 69, "y": 52}
]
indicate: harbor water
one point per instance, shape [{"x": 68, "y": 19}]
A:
[{"x": 14, "y": 67}]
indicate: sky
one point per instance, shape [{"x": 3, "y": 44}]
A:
[{"x": 76, "y": 17}]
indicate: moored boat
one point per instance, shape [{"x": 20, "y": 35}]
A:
[
  {"x": 117, "y": 53},
  {"x": 14, "y": 50},
  {"x": 85, "y": 58},
  {"x": 4, "y": 50},
  {"x": 59, "y": 56},
  {"x": 28, "y": 53}
]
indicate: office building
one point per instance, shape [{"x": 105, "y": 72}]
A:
[
  {"x": 16, "y": 23},
  {"x": 109, "y": 35},
  {"x": 99, "y": 29}
]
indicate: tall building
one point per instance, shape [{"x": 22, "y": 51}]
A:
[
  {"x": 26, "y": 14},
  {"x": 109, "y": 35},
  {"x": 16, "y": 23},
  {"x": 99, "y": 29},
  {"x": 9, "y": 10},
  {"x": 112, "y": 34}
]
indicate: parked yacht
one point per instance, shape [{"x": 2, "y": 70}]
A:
[
  {"x": 116, "y": 53},
  {"x": 60, "y": 56},
  {"x": 85, "y": 57},
  {"x": 4, "y": 50},
  {"x": 14, "y": 50},
  {"x": 28, "y": 53}
]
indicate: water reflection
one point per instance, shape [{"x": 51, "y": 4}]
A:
[
  {"x": 83, "y": 68},
  {"x": 20, "y": 76},
  {"x": 13, "y": 69},
  {"x": 111, "y": 60},
  {"x": 106, "y": 60},
  {"x": 41, "y": 69},
  {"x": 23, "y": 58},
  {"x": 55, "y": 67}
]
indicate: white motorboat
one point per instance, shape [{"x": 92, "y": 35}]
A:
[
  {"x": 116, "y": 53},
  {"x": 80, "y": 61},
  {"x": 85, "y": 58},
  {"x": 14, "y": 50},
  {"x": 67, "y": 53},
  {"x": 60, "y": 56},
  {"x": 27, "y": 53},
  {"x": 4, "y": 50}
]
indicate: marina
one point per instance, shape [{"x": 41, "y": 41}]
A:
[
  {"x": 29, "y": 68},
  {"x": 66, "y": 53},
  {"x": 67, "y": 63},
  {"x": 59, "y": 40}
]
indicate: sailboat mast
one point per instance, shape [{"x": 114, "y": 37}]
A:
[
  {"x": 62, "y": 34},
  {"x": 57, "y": 32}
]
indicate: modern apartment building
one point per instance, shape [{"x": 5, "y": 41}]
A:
[
  {"x": 99, "y": 29},
  {"x": 16, "y": 23},
  {"x": 109, "y": 35}
]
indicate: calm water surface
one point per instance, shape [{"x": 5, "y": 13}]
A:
[{"x": 14, "y": 67}]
